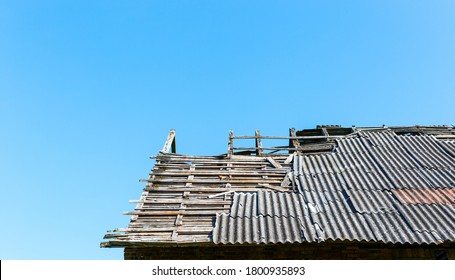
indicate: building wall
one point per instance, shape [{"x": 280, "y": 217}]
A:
[{"x": 327, "y": 251}]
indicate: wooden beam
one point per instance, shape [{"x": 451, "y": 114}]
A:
[
  {"x": 184, "y": 201},
  {"x": 166, "y": 229},
  {"x": 292, "y": 137},
  {"x": 291, "y": 134},
  {"x": 230, "y": 143},
  {"x": 258, "y": 143},
  {"x": 274, "y": 163},
  {"x": 293, "y": 141},
  {"x": 214, "y": 181},
  {"x": 170, "y": 143},
  {"x": 290, "y": 157},
  {"x": 220, "y": 194},
  {"x": 275, "y": 188},
  {"x": 174, "y": 189},
  {"x": 214, "y": 173},
  {"x": 175, "y": 212}
]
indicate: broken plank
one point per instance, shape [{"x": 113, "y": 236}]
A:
[
  {"x": 220, "y": 194},
  {"x": 274, "y": 162}
]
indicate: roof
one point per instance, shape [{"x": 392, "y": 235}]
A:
[{"x": 378, "y": 184}]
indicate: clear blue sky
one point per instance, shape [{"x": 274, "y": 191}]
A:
[{"x": 90, "y": 89}]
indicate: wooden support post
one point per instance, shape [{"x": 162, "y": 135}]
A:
[
  {"x": 259, "y": 151},
  {"x": 170, "y": 143},
  {"x": 293, "y": 142},
  {"x": 230, "y": 143}
]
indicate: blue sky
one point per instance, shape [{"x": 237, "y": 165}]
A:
[{"x": 90, "y": 89}]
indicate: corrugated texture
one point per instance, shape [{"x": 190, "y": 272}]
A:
[
  {"x": 448, "y": 146},
  {"x": 257, "y": 230},
  {"x": 419, "y": 151},
  {"x": 378, "y": 187},
  {"x": 289, "y": 217}
]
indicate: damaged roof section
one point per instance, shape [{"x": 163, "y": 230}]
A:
[
  {"x": 184, "y": 193},
  {"x": 381, "y": 184}
]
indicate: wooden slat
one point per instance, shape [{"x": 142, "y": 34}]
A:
[
  {"x": 291, "y": 137},
  {"x": 220, "y": 194},
  {"x": 264, "y": 172},
  {"x": 276, "y": 188},
  {"x": 215, "y": 181},
  {"x": 201, "y": 189},
  {"x": 166, "y": 229},
  {"x": 174, "y": 212},
  {"x": 186, "y": 201},
  {"x": 181, "y": 208}
]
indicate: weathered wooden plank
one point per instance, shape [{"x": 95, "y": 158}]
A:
[
  {"x": 125, "y": 236},
  {"x": 221, "y": 194},
  {"x": 258, "y": 143},
  {"x": 200, "y": 189},
  {"x": 156, "y": 241},
  {"x": 290, "y": 137},
  {"x": 230, "y": 143},
  {"x": 167, "y": 229},
  {"x": 207, "y": 160},
  {"x": 180, "y": 208},
  {"x": 175, "y": 212},
  {"x": 176, "y": 158},
  {"x": 216, "y": 173},
  {"x": 216, "y": 181},
  {"x": 243, "y": 159},
  {"x": 170, "y": 143},
  {"x": 292, "y": 134},
  {"x": 181, "y": 163},
  {"x": 274, "y": 163},
  {"x": 156, "y": 221},
  {"x": 290, "y": 158},
  {"x": 187, "y": 201},
  {"x": 276, "y": 188},
  {"x": 314, "y": 147}
]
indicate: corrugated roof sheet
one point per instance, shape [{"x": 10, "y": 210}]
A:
[
  {"x": 270, "y": 217},
  {"x": 378, "y": 187}
]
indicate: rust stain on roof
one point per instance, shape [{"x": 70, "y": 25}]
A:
[{"x": 426, "y": 196}]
